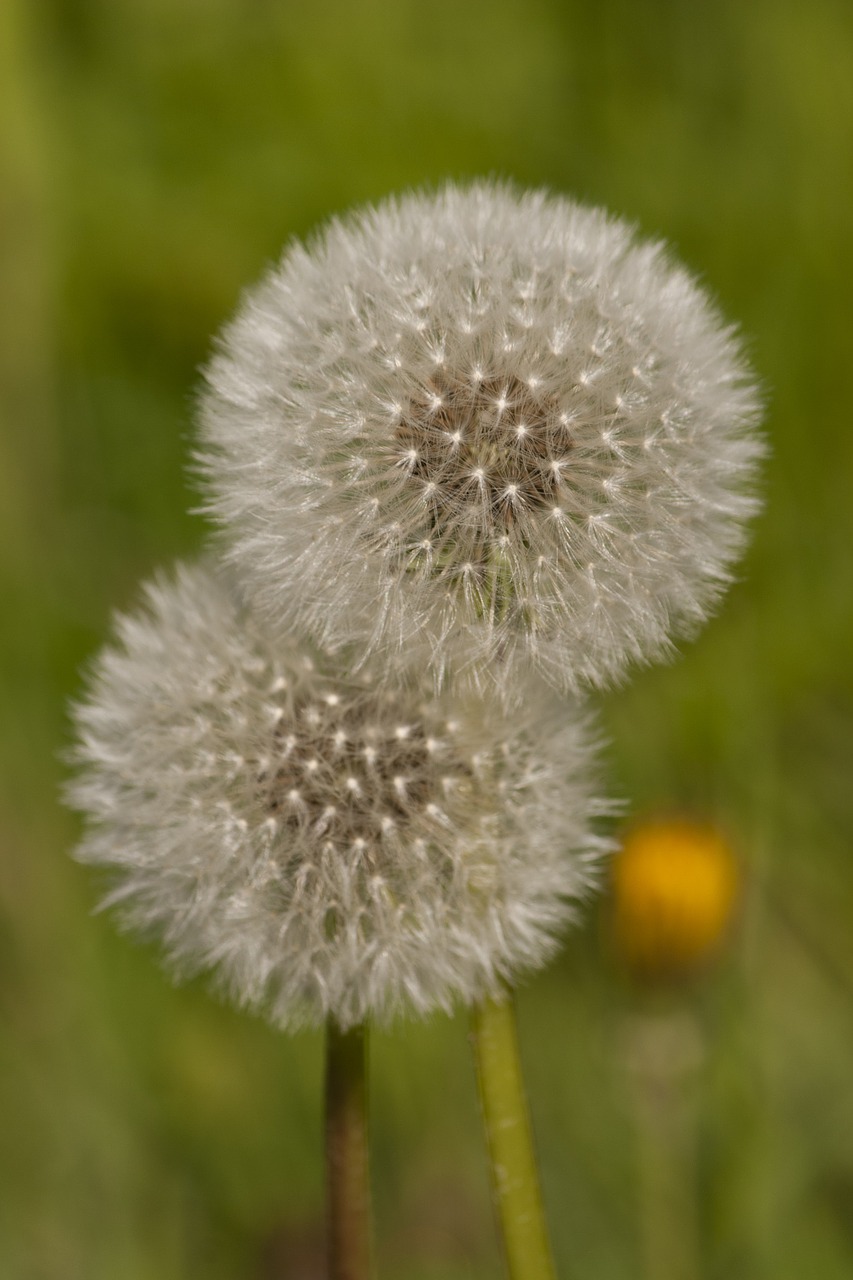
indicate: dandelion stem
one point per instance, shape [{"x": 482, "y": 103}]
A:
[
  {"x": 515, "y": 1179},
  {"x": 664, "y": 1052},
  {"x": 347, "y": 1168}
]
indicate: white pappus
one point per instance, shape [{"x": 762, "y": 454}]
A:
[
  {"x": 482, "y": 431},
  {"x": 326, "y": 846}
]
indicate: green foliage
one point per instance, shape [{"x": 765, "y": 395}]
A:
[{"x": 154, "y": 156}]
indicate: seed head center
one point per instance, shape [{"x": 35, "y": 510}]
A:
[
  {"x": 483, "y": 453},
  {"x": 348, "y": 776}
]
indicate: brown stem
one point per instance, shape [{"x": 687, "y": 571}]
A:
[{"x": 347, "y": 1171}]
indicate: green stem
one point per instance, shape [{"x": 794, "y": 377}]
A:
[
  {"x": 663, "y": 1053},
  {"x": 515, "y": 1179},
  {"x": 347, "y": 1167}
]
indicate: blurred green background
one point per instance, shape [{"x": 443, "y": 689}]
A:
[{"x": 154, "y": 156}]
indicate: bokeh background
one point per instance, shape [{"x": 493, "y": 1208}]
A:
[{"x": 154, "y": 156}]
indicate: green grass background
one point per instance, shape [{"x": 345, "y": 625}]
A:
[{"x": 154, "y": 156}]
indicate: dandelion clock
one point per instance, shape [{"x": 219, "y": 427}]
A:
[
  {"x": 482, "y": 432},
  {"x": 323, "y": 846}
]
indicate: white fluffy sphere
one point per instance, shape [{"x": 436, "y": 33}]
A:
[
  {"x": 325, "y": 846},
  {"x": 482, "y": 431}
]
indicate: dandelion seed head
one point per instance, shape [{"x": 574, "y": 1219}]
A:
[
  {"x": 588, "y": 407},
  {"x": 323, "y": 844}
]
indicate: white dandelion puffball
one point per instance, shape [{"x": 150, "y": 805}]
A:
[
  {"x": 482, "y": 431},
  {"x": 325, "y": 846}
]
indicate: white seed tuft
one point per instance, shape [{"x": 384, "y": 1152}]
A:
[
  {"x": 365, "y": 853},
  {"x": 571, "y": 354}
]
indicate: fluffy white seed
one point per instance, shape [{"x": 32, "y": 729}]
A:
[
  {"x": 483, "y": 431},
  {"x": 360, "y": 854}
]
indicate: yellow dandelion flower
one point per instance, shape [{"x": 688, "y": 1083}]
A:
[{"x": 674, "y": 883}]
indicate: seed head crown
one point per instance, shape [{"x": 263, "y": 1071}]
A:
[
  {"x": 325, "y": 845},
  {"x": 483, "y": 431}
]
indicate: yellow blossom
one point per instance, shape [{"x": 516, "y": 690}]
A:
[{"x": 675, "y": 884}]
